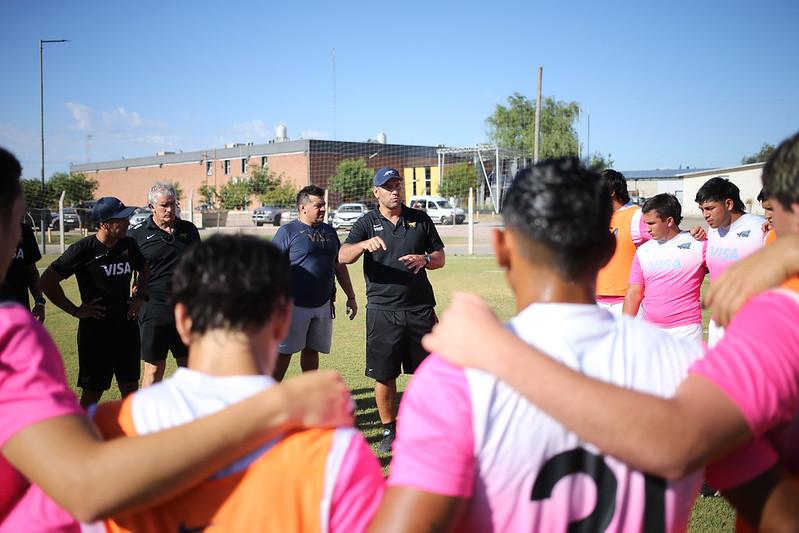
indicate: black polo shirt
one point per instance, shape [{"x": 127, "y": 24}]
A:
[
  {"x": 162, "y": 251},
  {"x": 102, "y": 272},
  {"x": 15, "y": 286},
  {"x": 389, "y": 283}
]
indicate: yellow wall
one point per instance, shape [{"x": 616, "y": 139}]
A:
[{"x": 416, "y": 175}]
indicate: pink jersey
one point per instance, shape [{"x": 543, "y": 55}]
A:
[
  {"x": 765, "y": 389},
  {"x": 33, "y": 388},
  {"x": 464, "y": 433},
  {"x": 671, "y": 273},
  {"x": 727, "y": 245}
]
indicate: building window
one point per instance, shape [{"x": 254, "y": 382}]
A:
[
  {"x": 227, "y": 167},
  {"x": 427, "y": 183},
  {"x": 245, "y": 166},
  {"x": 264, "y": 161},
  {"x": 209, "y": 168}
]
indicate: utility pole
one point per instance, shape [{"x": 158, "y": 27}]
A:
[
  {"x": 42, "y": 42},
  {"x": 537, "y": 132}
]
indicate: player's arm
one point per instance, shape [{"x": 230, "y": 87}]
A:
[
  {"x": 92, "y": 479},
  {"x": 764, "y": 269},
  {"x": 343, "y": 277},
  {"x": 437, "y": 260},
  {"x": 633, "y": 299},
  {"x": 32, "y": 277},
  {"x": 406, "y": 509},
  {"x": 50, "y": 283},
  {"x": 668, "y": 437},
  {"x": 358, "y": 242}
]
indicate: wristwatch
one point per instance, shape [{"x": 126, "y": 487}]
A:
[
  {"x": 426, "y": 259},
  {"x": 40, "y": 301}
]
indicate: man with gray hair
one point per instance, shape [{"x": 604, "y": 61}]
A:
[{"x": 162, "y": 238}]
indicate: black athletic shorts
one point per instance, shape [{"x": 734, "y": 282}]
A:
[
  {"x": 107, "y": 348},
  {"x": 159, "y": 335},
  {"x": 394, "y": 341}
]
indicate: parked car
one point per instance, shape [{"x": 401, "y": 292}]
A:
[
  {"x": 346, "y": 215},
  {"x": 72, "y": 219},
  {"x": 140, "y": 215},
  {"x": 267, "y": 215},
  {"x": 288, "y": 215},
  {"x": 438, "y": 208}
]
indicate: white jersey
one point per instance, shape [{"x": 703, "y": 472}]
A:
[
  {"x": 727, "y": 245},
  {"x": 526, "y": 471}
]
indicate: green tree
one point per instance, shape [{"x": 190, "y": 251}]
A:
[
  {"x": 765, "y": 152},
  {"x": 457, "y": 179},
  {"x": 599, "y": 163},
  {"x": 353, "y": 180},
  {"x": 261, "y": 180},
  {"x": 235, "y": 194},
  {"x": 281, "y": 192},
  {"x": 34, "y": 196},
  {"x": 178, "y": 189},
  {"x": 208, "y": 193},
  {"x": 78, "y": 187},
  {"x": 512, "y": 126}
]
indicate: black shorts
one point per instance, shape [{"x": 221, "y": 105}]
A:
[
  {"x": 159, "y": 336},
  {"x": 107, "y": 348},
  {"x": 394, "y": 341}
]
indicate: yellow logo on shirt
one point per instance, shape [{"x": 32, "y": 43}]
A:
[{"x": 411, "y": 224}]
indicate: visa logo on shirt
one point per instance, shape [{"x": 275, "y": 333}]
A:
[
  {"x": 665, "y": 264},
  {"x": 744, "y": 233},
  {"x": 20, "y": 254},
  {"x": 724, "y": 253},
  {"x": 116, "y": 269}
]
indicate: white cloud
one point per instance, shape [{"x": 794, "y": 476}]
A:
[
  {"x": 82, "y": 115},
  {"x": 315, "y": 134},
  {"x": 254, "y": 130}
]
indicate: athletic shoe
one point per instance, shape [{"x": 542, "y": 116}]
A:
[{"x": 388, "y": 440}]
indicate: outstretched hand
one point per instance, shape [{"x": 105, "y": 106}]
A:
[
  {"x": 464, "y": 331},
  {"x": 318, "y": 399}
]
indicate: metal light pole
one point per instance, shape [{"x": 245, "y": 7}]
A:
[{"x": 42, "y": 42}]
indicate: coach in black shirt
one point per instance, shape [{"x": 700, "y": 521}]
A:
[
  {"x": 399, "y": 245},
  {"x": 108, "y": 336},
  {"x": 162, "y": 238},
  {"x": 23, "y": 276}
]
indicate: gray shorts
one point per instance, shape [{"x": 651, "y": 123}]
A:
[{"x": 311, "y": 327}]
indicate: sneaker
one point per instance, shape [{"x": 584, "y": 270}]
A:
[{"x": 388, "y": 440}]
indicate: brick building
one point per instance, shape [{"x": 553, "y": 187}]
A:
[{"x": 301, "y": 162}]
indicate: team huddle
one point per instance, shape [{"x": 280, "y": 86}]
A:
[{"x": 597, "y": 407}]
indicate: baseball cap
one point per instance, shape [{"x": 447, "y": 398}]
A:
[
  {"x": 384, "y": 174},
  {"x": 109, "y": 207}
]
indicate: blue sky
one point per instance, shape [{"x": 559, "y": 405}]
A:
[{"x": 667, "y": 83}]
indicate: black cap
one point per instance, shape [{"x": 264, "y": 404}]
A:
[{"x": 109, "y": 207}]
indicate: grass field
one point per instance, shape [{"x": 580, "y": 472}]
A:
[{"x": 478, "y": 274}]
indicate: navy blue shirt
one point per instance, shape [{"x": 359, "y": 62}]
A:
[
  {"x": 312, "y": 253},
  {"x": 389, "y": 283}
]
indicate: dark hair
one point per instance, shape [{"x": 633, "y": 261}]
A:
[
  {"x": 781, "y": 173},
  {"x": 309, "y": 190},
  {"x": 233, "y": 282},
  {"x": 762, "y": 195},
  {"x": 617, "y": 185},
  {"x": 665, "y": 205},
  {"x": 565, "y": 207},
  {"x": 720, "y": 190},
  {"x": 10, "y": 188}
]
